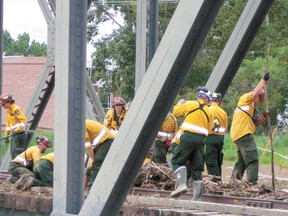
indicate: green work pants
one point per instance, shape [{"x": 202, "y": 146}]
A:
[
  {"x": 190, "y": 149},
  {"x": 99, "y": 157},
  {"x": 247, "y": 159},
  {"x": 214, "y": 155},
  {"x": 16, "y": 170},
  {"x": 188, "y": 164},
  {"x": 159, "y": 152},
  {"x": 18, "y": 144},
  {"x": 43, "y": 171}
]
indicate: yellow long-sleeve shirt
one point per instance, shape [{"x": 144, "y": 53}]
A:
[
  {"x": 49, "y": 157},
  {"x": 96, "y": 133},
  {"x": 176, "y": 138},
  {"x": 197, "y": 121},
  {"x": 221, "y": 117},
  {"x": 169, "y": 128},
  {"x": 242, "y": 123},
  {"x": 16, "y": 119},
  {"x": 170, "y": 124},
  {"x": 111, "y": 121},
  {"x": 32, "y": 155}
]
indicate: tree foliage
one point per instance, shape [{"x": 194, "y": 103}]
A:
[
  {"x": 114, "y": 56},
  {"x": 22, "y": 46}
]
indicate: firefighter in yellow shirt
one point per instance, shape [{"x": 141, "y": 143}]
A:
[
  {"x": 98, "y": 140},
  {"x": 115, "y": 116},
  {"x": 163, "y": 140},
  {"x": 215, "y": 140},
  {"x": 245, "y": 120},
  {"x": 43, "y": 174},
  {"x": 15, "y": 123},
  {"x": 198, "y": 123},
  {"x": 22, "y": 164}
]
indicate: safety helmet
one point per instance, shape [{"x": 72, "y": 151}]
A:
[
  {"x": 118, "y": 101},
  {"x": 216, "y": 97},
  {"x": 4, "y": 98},
  {"x": 203, "y": 92},
  {"x": 43, "y": 140}
]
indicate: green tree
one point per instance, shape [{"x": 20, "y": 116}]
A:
[
  {"x": 114, "y": 58},
  {"x": 21, "y": 46},
  {"x": 37, "y": 49}
]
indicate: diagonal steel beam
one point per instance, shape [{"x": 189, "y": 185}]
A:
[
  {"x": 176, "y": 52},
  {"x": 238, "y": 44}
]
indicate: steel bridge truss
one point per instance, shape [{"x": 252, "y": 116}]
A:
[{"x": 176, "y": 52}]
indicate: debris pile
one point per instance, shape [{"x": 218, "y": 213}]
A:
[
  {"x": 159, "y": 177},
  {"x": 155, "y": 176}
]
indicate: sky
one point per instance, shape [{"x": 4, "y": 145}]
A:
[{"x": 24, "y": 16}]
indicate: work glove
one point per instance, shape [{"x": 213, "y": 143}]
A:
[
  {"x": 90, "y": 162},
  {"x": 6, "y": 140},
  {"x": 266, "y": 76},
  {"x": 266, "y": 114}
]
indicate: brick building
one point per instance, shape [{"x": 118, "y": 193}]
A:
[{"x": 20, "y": 75}]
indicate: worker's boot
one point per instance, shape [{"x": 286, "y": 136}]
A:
[
  {"x": 11, "y": 180},
  {"x": 197, "y": 190},
  {"x": 21, "y": 181},
  {"x": 28, "y": 183},
  {"x": 181, "y": 178}
]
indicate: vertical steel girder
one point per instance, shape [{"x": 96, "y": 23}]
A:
[
  {"x": 177, "y": 50},
  {"x": 69, "y": 130},
  {"x": 238, "y": 45},
  {"x": 140, "y": 66},
  {"x": 153, "y": 29}
]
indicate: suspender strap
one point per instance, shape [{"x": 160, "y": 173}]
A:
[
  {"x": 201, "y": 108},
  {"x": 244, "y": 112}
]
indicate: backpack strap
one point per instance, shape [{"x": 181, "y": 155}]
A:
[
  {"x": 244, "y": 112},
  {"x": 201, "y": 108}
]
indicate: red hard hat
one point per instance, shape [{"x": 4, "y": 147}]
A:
[
  {"x": 43, "y": 140},
  {"x": 4, "y": 98},
  {"x": 118, "y": 101}
]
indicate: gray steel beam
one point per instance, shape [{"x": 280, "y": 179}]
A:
[
  {"x": 238, "y": 44},
  {"x": 177, "y": 50},
  {"x": 94, "y": 108},
  {"x": 141, "y": 35},
  {"x": 70, "y": 101},
  {"x": 153, "y": 29}
]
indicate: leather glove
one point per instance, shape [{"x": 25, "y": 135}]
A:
[
  {"x": 266, "y": 76},
  {"x": 7, "y": 140},
  {"x": 266, "y": 114},
  {"x": 90, "y": 163}
]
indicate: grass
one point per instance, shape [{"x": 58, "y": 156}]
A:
[
  {"x": 47, "y": 133},
  {"x": 280, "y": 149}
]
